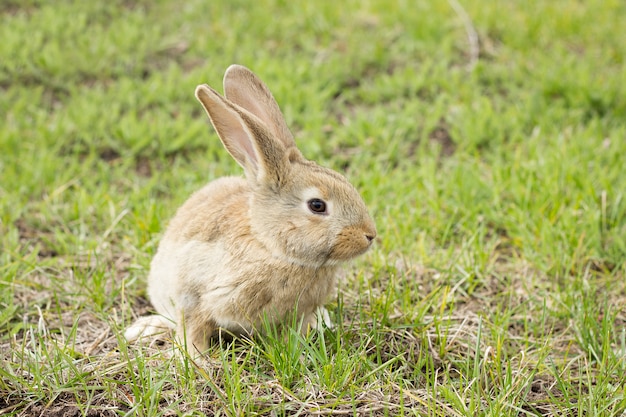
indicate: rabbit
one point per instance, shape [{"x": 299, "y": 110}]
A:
[{"x": 241, "y": 251}]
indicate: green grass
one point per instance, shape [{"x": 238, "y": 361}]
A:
[{"x": 487, "y": 138}]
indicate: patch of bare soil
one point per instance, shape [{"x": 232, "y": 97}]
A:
[
  {"x": 441, "y": 135},
  {"x": 36, "y": 236}
]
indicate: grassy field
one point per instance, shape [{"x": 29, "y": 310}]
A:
[{"x": 487, "y": 138}]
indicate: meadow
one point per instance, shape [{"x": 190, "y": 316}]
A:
[{"x": 488, "y": 140}]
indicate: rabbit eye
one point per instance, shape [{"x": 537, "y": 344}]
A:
[{"x": 317, "y": 206}]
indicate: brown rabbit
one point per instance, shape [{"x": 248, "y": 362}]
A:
[{"x": 241, "y": 250}]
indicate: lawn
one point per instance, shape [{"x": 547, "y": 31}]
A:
[{"x": 488, "y": 140}]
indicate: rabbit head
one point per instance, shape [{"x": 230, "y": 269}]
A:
[{"x": 304, "y": 213}]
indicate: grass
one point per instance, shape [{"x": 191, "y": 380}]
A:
[{"x": 488, "y": 140}]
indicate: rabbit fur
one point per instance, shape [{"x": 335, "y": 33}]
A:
[{"x": 244, "y": 250}]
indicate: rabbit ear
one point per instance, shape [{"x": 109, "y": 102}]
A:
[
  {"x": 244, "y": 88},
  {"x": 244, "y": 136}
]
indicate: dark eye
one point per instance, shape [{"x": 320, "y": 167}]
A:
[{"x": 317, "y": 206}]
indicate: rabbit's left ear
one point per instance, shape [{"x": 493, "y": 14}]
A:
[
  {"x": 244, "y": 88},
  {"x": 245, "y": 137}
]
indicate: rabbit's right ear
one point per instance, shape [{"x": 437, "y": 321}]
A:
[
  {"x": 244, "y": 136},
  {"x": 244, "y": 88}
]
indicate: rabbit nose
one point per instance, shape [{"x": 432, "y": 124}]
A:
[{"x": 369, "y": 230}]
